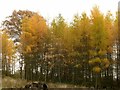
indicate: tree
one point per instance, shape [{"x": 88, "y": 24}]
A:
[
  {"x": 81, "y": 52},
  {"x": 13, "y": 23},
  {"x": 81, "y": 34},
  {"x": 33, "y": 33},
  {"x": 100, "y": 43},
  {"x": 117, "y": 44},
  {"x": 58, "y": 29},
  {"x": 12, "y": 26},
  {"x": 8, "y": 51}
]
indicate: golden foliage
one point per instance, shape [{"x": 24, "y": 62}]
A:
[
  {"x": 95, "y": 61},
  {"x": 106, "y": 62},
  {"x": 102, "y": 52},
  {"x": 8, "y": 48},
  {"x": 33, "y": 30},
  {"x": 96, "y": 69}
]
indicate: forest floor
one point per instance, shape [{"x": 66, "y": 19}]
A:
[{"x": 9, "y": 82}]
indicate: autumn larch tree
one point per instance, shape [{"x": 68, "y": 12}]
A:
[
  {"x": 8, "y": 51},
  {"x": 33, "y": 32}
]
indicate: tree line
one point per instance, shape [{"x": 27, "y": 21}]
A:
[{"x": 85, "y": 52}]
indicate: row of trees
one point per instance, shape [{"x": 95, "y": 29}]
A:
[{"x": 84, "y": 52}]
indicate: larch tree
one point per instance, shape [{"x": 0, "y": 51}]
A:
[
  {"x": 33, "y": 33},
  {"x": 107, "y": 75},
  {"x": 99, "y": 61},
  {"x": 81, "y": 52},
  {"x": 8, "y": 51},
  {"x": 117, "y": 44},
  {"x": 12, "y": 26},
  {"x": 58, "y": 29}
]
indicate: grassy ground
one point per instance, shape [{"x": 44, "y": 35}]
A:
[
  {"x": 8, "y": 82},
  {"x": 62, "y": 85}
]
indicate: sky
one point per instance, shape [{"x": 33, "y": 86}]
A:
[{"x": 51, "y": 8}]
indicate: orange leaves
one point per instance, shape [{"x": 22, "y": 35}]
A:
[
  {"x": 37, "y": 24},
  {"x": 26, "y": 37},
  {"x": 109, "y": 49},
  {"x": 33, "y": 29},
  {"x": 34, "y": 25},
  {"x": 28, "y": 49}
]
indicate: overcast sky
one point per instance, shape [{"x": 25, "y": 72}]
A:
[{"x": 51, "y": 8}]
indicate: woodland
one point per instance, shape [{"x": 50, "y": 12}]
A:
[{"x": 83, "y": 52}]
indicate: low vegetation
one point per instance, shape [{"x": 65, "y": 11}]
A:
[{"x": 8, "y": 82}]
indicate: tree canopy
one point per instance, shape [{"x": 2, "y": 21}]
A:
[{"x": 83, "y": 52}]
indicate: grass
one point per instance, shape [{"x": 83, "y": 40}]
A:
[
  {"x": 9, "y": 82},
  {"x": 61, "y": 85}
]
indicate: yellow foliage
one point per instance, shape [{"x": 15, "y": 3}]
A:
[
  {"x": 91, "y": 62},
  {"x": 106, "y": 62},
  {"x": 102, "y": 52},
  {"x": 92, "y": 53},
  {"x": 107, "y": 65},
  {"x": 28, "y": 49},
  {"x": 96, "y": 69},
  {"x": 33, "y": 29},
  {"x": 78, "y": 65},
  {"x": 34, "y": 25},
  {"x": 96, "y": 60},
  {"x": 110, "y": 49},
  {"x": 8, "y": 48}
]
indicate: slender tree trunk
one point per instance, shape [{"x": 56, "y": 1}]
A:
[{"x": 96, "y": 81}]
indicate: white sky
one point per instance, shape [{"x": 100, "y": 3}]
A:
[{"x": 51, "y": 8}]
